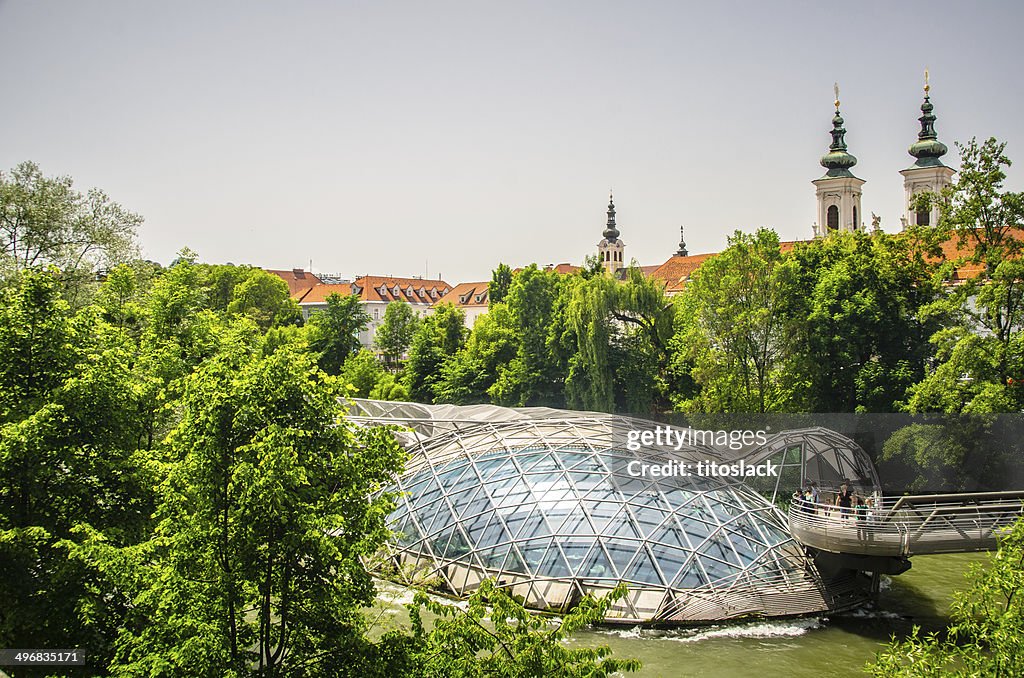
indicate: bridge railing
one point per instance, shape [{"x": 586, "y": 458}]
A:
[{"x": 903, "y": 526}]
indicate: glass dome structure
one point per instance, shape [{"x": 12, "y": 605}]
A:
[{"x": 547, "y": 504}]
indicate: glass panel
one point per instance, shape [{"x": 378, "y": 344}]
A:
[
  {"x": 494, "y": 534},
  {"x": 601, "y": 513},
  {"x": 571, "y": 459},
  {"x": 575, "y": 524},
  {"x": 438, "y": 517},
  {"x": 493, "y": 558},
  {"x": 449, "y": 476},
  {"x": 670, "y": 560},
  {"x": 643, "y": 570},
  {"x": 553, "y": 565},
  {"x": 533, "y": 553},
  {"x": 534, "y": 526},
  {"x": 543, "y": 465},
  {"x": 715, "y": 548},
  {"x": 515, "y": 521},
  {"x": 621, "y": 552},
  {"x": 596, "y": 566},
  {"x": 514, "y": 563},
  {"x": 622, "y": 526},
  {"x": 670, "y": 535},
  {"x": 457, "y": 546},
  {"x": 575, "y": 551},
  {"x": 647, "y": 519},
  {"x": 690, "y": 577}
]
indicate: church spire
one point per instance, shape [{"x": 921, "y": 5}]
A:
[
  {"x": 611, "y": 233},
  {"x": 837, "y": 161},
  {"x": 927, "y": 175},
  {"x": 839, "y": 191},
  {"x": 610, "y": 251},
  {"x": 928, "y": 149},
  {"x": 681, "y": 252}
]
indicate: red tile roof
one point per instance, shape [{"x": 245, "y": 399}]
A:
[
  {"x": 466, "y": 295},
  {"x": 319, "y": 293},
  {"x": 677, "y": 270},
  {"x": 387, "y": 288},
  {"x": 299, "y": 281},
  {"x": 953, "y": 250}
]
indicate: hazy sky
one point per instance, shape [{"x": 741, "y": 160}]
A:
[{"x": 393, "y": 138}]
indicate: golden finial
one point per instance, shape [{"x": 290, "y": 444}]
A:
[
  {"x": 927, "y": 87},
  {"x": 835, "y": 86}
]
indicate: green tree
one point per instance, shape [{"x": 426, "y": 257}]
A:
[
  {"x": 389, "y": 387},
  {"x": 986, "y": 637},
  {"x": 495, "y": 636},
  {"x": 731, "y": 327},
  {"x": 264, "y": 297},
  {"x": 501, "y": 282},
  {"x": 979, "y": 349},
  {"x": 615, "y": 335},
  {"x": 121, "y": 298},
  {"x": 856, "y": 335},
  {"x": 45, "y": 221},
  {"x": 986, "y": 218},
  {"x": 394, "y": 336},
  {"x": 439, "y": 337},
  {"x": 493, "y": 344},
  {"x": 334, "y": 332},
  {"x": 255, "y": 566},
  {"x": 533, "y": 377},
  {"x": 72, "y": 416},
  {"x": 362, "y": 370}
]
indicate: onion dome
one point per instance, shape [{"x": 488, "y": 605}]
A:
[
  {"x": 682, "y": 252},
  {"x": 928, "y": 149},
  {"x": 837, "y": 161},
  {"x": 611, "y": 234}
]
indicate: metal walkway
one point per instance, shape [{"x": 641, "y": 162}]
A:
[{"x": 909, "y": 525}]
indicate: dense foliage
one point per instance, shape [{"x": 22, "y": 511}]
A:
[{"x": 180, "y": 492}]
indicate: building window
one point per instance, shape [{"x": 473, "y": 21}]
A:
[
  {"x": 832, "y": 218},
  {"x": 924, "y": 218},
  {"x": 856, "y": 223}
]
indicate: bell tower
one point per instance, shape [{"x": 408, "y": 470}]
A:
[
  {"x": 839, "y": 191},
  {"x": 927, "y": 174},
  {"x": 610, "y": 250}
]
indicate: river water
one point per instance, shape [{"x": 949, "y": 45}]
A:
[
  {"x": 821, "y": 647},
  {"x": 827, "y": 646}
]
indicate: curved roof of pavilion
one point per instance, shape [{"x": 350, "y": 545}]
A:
[{"x": 543, "y": 501}]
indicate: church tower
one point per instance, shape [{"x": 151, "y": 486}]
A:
[
  {"x": 610, "y": 250},
  {"x": 927, "y": 174},
  {"x": 839, "y": 191}
]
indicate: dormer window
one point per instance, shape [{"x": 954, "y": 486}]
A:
[
  {"x": 433, "y": 292},
  {"x": 396, "y": 290},
  {"x": 479, "y": 298}
]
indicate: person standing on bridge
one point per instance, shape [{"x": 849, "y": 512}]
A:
[
  {"x": 844, "y": 500},
  {"x": 861, "y": 515}
]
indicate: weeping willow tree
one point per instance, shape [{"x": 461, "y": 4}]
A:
[{"x": 619, "y": 336}]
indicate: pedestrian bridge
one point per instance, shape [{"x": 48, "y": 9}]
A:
[{"x": 908, "y": 525}]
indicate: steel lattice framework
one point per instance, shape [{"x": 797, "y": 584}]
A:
[{"x": 541, "y": 501}]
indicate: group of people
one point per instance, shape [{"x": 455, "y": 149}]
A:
[{"x": 845, "y": 500}]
